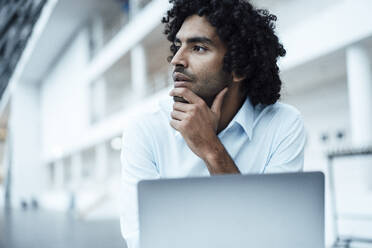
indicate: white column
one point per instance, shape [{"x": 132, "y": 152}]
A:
[
  {"x": 27, "y": 175},
  {"x": 133, "y": 8},
  {"x": 99, "y": 96},
  {"x": 138, "y": 70},
  {"x": 59, "y": 174},
  {"x": 359, "y": 77},
  {"x": 76, "y": 168},
  {"x": 97, "y": 33},
  {"x": 101, "y": 162}
]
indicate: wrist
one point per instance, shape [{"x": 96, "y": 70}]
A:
[
  {"x": 218, "y": 161},
  {"x": 215, "y": 153}
]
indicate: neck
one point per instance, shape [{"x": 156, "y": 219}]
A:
[{"x": 233, "y": 101}]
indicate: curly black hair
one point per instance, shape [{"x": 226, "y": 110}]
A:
[{"x": 248, "y": 33}]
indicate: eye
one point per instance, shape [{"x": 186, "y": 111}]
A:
[{"x": 199, "y": 49}]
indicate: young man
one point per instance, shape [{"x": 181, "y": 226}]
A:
[{"x": 225, "y": 117}]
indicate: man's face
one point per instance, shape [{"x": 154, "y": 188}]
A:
[{"x": 198, "y": 62}]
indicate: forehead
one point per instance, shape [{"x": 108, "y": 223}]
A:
[{"x": 196, "y": 26}]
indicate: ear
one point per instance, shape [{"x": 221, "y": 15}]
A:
[{"x": 236, "y": 78}]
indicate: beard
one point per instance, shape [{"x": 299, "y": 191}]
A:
[{"x": 207, "y": 85}]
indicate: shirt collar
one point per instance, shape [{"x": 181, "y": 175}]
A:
[{"x": 244, "y": 117}]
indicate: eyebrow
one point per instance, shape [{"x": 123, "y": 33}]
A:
[{"x": 197, "y": 39}]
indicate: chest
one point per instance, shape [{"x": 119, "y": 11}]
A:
[{"x": 175, "y": 159}]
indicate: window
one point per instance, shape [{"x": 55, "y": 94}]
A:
[
  {"x": 113, "y": 150},
  {"x": 51, "y": 173},
  {"x": 67, "y": 173},
  {"x": 88, "y": 163}
]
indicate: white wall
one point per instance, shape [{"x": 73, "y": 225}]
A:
[
  {"x": 65, "y": 98},
  {"x": 326, "y": 111},
  {"x": 27, "y": 173}
]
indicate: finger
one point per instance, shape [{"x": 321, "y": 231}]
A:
[
  {"x": 178, "y": 115},
  {"x": 183, "y": 107},
  {"x": 186, "y": 94},
  {"x": 179, "y": 99},
  {"x": 218, "y": 100},
  {"x": 175, "y": 124}
]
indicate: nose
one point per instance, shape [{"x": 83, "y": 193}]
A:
[{"x": 180, "y": 58}]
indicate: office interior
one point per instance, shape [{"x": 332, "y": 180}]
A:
[{"x": 73, "y": 73}]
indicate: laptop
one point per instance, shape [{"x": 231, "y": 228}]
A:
[{"x": 233, "y": 211}]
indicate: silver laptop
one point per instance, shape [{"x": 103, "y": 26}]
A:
[{"x": 256, "y": 211}]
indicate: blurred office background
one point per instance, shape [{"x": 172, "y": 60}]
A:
[{"x": 74, "y": 72}]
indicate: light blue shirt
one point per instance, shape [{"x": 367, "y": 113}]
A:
[{"x": 260, "y": 139}]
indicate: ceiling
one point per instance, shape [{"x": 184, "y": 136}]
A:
[
  {"x": 68, "y": 16},
  {"x": 313, "y": 73},
  {"x": 322, "y": 70},
  {"x": 65, "y": 20},
  {"x": 291, "y": 12}
]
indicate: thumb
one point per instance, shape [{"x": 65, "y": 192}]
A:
[{"x": 218, "y": 100}]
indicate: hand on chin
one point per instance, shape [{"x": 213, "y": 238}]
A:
[{"x": 179, "y": 99}]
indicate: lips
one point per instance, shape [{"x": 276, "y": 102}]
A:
[
  {"x": 179, "y": 77},
  {"x": 179, "y": 84}
]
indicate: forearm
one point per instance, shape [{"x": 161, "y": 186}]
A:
[{"x": 218, "y": 160}]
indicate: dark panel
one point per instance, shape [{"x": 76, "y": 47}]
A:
[{"x": 17, "y": 20}]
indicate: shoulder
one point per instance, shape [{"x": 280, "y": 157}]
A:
[
  {"x": 278, "y": 119},
  {"x": 149, "y": 120},
  {"x": 281, "y": 110},
  {"x": 280, "y": 113},
  {"x": 288, "y": 120}
]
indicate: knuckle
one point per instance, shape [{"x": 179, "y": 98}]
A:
[
  {"x": 173, "y": 114},
  {"x": 193, "y": 110},
  {"x": 201, "y": 104}
]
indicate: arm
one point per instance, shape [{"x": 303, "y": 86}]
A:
[
  {"x": 218, "y": 161},
  {"x": 137, "y": 164}
]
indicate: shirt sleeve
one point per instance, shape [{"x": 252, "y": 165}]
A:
[
  {"x": 288, "y": 152},
  {"x": 137, "y": 164}
]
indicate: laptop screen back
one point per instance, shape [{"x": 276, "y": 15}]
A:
[{"x": 266, "y": 211}]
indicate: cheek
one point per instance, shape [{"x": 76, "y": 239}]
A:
[
  {"x": 211, "y": 82},
  {"x": 207, "y": 66}
]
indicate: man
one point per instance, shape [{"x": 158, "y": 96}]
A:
[{"x": 225, "y": 117}]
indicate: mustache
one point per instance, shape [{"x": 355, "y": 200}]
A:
[{"x": 184, "y": 72}]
